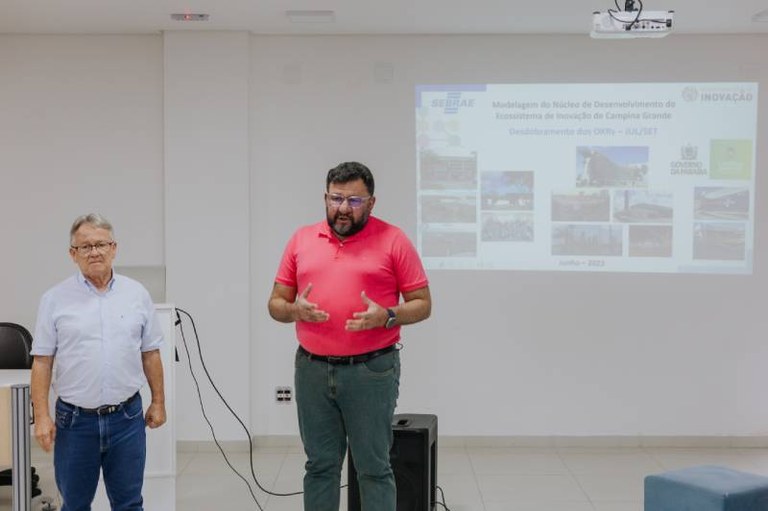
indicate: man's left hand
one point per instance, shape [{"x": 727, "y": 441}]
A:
[
  {"x": 155, "y": 416},
  {"x": 375, "y": 316}
]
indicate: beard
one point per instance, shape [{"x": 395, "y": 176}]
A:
[{"x": 350, "y": 226}]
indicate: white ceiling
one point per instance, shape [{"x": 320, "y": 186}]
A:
[{"x": 363, "y": 16}]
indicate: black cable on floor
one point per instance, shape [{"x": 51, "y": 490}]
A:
[{"x": 223, "y": 400}]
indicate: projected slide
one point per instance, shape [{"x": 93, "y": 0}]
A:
[{"x": 635, "y": 177}]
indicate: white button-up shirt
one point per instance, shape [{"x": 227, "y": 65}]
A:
[{"x": 96, "y": 339}]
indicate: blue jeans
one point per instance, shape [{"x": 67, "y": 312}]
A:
[
  {"x": 337, "y": 403},
  {"x": 87, "y": 443}
]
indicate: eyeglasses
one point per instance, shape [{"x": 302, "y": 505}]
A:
[
  {"x": 101, "y": 247},
  {"x": 336, "y": 200}
]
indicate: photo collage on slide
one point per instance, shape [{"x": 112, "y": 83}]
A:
[
  {"x": 721, "y": 212},
  {"x": 449, "y": 204},
  {"x": 617, "y": 194},
  {"x": 610, "y": 194}
]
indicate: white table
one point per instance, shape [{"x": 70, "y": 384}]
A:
[{"x": 10, "y": 377}]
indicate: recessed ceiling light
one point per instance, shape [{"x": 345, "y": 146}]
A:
[
  {"x": 189, "y": 16},
  {"x": 309, "y": 16},
  {"x": 761, "y": 17}
]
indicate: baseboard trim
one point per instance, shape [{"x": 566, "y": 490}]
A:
[
  {"x": 732, "y": 442},
  {"x": 607, "y": 441}
]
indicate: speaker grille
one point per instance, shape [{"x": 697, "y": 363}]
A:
[
  {"x": 409, "y": 487},
  {"x": 414, "y": 462}
]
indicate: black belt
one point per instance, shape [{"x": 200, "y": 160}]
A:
[
  {"x": 104, "y": 409},
  {"x": 352, "y": 359}
]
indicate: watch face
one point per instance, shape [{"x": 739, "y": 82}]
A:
[{"x": 391, "y": 320}]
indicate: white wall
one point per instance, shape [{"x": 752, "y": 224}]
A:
[
  {"x": 207, "y": 219},
  {"x": 82, "y": 128}
]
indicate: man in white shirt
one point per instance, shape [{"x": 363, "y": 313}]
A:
[{"x": 100, "y": 329}]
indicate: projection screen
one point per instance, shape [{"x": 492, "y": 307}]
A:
[{"x": 619, "y": 177}]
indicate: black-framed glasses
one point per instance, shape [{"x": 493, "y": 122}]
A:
[
  {"x": 101, "y": 247},
  {"x": 354, "y": 201}
]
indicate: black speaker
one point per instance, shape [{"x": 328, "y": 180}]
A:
[{"x": 414, "y": 461}]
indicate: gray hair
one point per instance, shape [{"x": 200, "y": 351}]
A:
[{"x": 93, "y": 219}]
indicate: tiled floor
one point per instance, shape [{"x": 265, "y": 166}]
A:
[{"x": 472, "y": 478}]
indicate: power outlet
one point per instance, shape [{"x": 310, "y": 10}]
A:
[{"x": 284, "y": 395}]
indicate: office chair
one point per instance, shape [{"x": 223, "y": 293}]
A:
[{"x": 15, "y": 348}]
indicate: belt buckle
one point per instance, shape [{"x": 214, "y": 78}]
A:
[
  {"x": 335, "y": 360},
  {"x": 106, "y": 409}
]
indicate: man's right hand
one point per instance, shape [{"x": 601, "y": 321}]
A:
[
  {"x": 45, "y": 432},
  {"x": 306, "y": 310},
  {"x": 40, "y": 384}
]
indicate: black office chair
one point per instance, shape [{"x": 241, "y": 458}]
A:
[{"x": 15, "y": 348}]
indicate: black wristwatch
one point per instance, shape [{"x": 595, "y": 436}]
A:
[{"x": 391, "y": 320}]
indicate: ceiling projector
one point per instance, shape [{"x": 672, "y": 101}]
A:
[{"x": 613, "y": 24}]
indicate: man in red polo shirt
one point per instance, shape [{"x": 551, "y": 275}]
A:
[{"x": 341, "y": 281}]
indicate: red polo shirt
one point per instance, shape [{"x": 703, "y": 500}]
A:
[{"x": 380, "y": 260}]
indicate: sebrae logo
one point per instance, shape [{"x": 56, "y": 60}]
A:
[{"x": 452, "y": 102}]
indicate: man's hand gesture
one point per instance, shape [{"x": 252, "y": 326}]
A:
[
  {"x": 308, "y": 311},
  {"x": 373, "y": 317}
]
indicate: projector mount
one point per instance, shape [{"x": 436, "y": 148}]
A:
[{"x": 631, "y": 22}]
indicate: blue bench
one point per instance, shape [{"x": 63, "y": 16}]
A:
[{"x": 706, "y": 488}]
